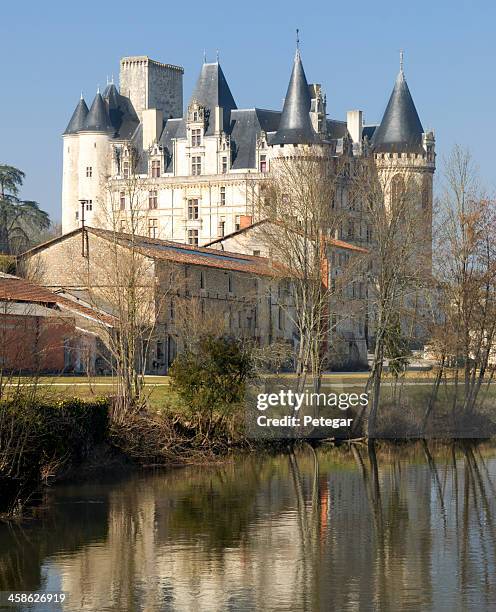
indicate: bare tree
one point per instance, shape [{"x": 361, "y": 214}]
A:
[
  {"x": 299, "y": 202},
  {"x": 465, "y": 268},
  {"x": 399, "y": 269},
  {"x": 122, "y": 279}
]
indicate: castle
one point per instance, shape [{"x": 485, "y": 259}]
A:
[{"x": 200, "y": 168}]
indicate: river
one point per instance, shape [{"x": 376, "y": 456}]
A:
[{"x": 401, "y": 529}]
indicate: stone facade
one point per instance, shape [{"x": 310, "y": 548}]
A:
[
  {"x": 220, "y": 296},
  {"x": 150, "y": 84},
  {"x": 200, "y": 170}
]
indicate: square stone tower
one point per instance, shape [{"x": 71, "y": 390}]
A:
[{"x": 150, "y": 84}]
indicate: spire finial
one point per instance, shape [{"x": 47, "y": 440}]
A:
[
  {"x": 217, "y": 55},
  {"x": 81, "y": 94},
  {"x": 204, "y": 56},
  {"x": 107, "y": 80},
  {"x": 98, "y": 89},
  {"x": 401, "y": 61},
  {"x": 297, "y": 39},
  {"x": 112, "y": 81}
]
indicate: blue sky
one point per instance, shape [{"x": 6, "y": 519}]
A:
[{"x": 50, "y": 51}]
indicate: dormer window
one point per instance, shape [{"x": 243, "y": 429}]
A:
[
  {"x": 224, "y": 165},
  {"x": 196, "y": 113}
]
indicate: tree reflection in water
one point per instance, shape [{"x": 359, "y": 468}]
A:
[{"x": 357, "y": 528}]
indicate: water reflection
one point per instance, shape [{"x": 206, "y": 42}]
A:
[{"x": 359, "y": 529}]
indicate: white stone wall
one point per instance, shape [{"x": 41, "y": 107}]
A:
[{"x": 70, "y": 182}]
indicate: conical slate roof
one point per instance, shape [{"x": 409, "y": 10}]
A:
[
  {"x": 400, "y": 129},
  {"x": 98, "y": 119},
  {"x": 212, "y": 90},
  {"x": 295, "y": 126},
  {"x": 78, "y": 118}
]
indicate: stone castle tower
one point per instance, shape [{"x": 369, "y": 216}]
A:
[
  {"x": 201, "y": 165},
  {"x": 403, "y": 151},
  {"x": 149, "y": 90}
]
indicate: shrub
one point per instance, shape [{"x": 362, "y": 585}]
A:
[{"x": 211, "y": 378}]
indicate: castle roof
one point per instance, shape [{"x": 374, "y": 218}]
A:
[
  {"x": 122, "y": 115},
  {"x": 78, "y": 118},
  {"x": 212, "y": 90},
  {"x": 295, "y": 126},
  {"x": 98, "y": 119},
  {"x": 246, "y": 127},
  {"x": 400, "y": 129}
]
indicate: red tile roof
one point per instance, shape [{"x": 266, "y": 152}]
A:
[
  {"x": 183, "y": 253},
  {"x": 341, "y": 244},
  {"x": 16, "y": 289}
]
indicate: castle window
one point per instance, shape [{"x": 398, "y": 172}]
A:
[
  {"x": 351, "y": 229},
  {"x": 153, "y": 228},
  {"x": 125, "y": 169},
  {"x": 202, "y": 279},
  {"x": 77, "y": 215},
  {"x": 196, "y": 116},
  {"x": 263, "y": 163},
  {"x": 224, "y": 165},
  {"x": 280, "y": 318},
  {"x": 256, "y": 253},
  {"x": 237, "y": 223},
  {"x": 123, "y": 225},
  {"x": 193, "y": 237},
  {"x": 369, "y": 233},
  {"x": 193, "y": 209},
  {"x": 196, "y": 165},
  {"x": 195, "y": 138},
  {"x": 171, "y": 310},
  {"x": 122, "y": 200},
  {"x": 89, "y": 171},
  {"x": 221, "y": 228},
  {"x": 230, "y": 283},
  {"x": 222, "y": 196},
  {"x": 156, "y": 168},
  {"x": 89, "y": 205},
  {"x": 152, "y": 199}
]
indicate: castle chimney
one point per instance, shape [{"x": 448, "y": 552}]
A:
[
  {"x": 354, "y": 123},
  {"x": 153, "y": 121},
  {"x": 219, "y": 119}
]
